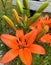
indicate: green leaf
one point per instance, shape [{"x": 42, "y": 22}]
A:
[
  {"x": 36, "y": 59},
  {"x": 24, "y": 26}
]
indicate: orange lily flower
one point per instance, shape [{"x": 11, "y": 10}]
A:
[
  {"x": 21, "y": 45},
  {"x": 42, "y": 21},
  {"x": 37, "y": 25},
  {"x": 46, "y": 20},
  {"x": 46, "y": 38}
]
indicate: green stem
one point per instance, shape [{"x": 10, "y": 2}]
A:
[
  {"x": 5, "y": 2},
  {"x": 4, "y": 6},
  {"x": 27, "y": 7},
  {"x": 24, "y": 26},
  {"x": 42, "y": 32}
]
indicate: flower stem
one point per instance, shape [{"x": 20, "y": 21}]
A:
[{"x": 4, "y": 6}]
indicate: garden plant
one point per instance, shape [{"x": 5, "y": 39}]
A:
[{"x": 25, "y": 39}]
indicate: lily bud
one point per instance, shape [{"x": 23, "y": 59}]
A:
[
  {"x": 43, "y": 31},
  {"x": 16, "y": 17},
  {"x": 19, "y": 6},
  {"x": 34, "y": 18},
  {"x": 42, "y": 6},
  {"x": 9, "y": 22},
  {"x": 26, "y": 5}
]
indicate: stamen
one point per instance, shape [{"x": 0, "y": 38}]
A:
[
  {"x": 26, "y": 42},
  {"x": 36, "y": 27},
  {"x": 19, "y": 46},
  {"x": 17, "y": 41}
]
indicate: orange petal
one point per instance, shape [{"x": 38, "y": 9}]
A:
[
  {"x": 9, "y": 40},
  {"x": 20, "y": 34},
  {"x": 25, "y": 56},
  {"x": 10, "y": 55},
  {"x": 31, "y": 36},
  {"x": 46, "y": 38},
  {"x": 49, "y": 23},
  {"x": 37, "y": 49},
  {"x": 38, "y": 24},
  {"x": 39, "y": 27},
  {"x": 31, "y": 27},
  {"x": 46, "y": 17}
]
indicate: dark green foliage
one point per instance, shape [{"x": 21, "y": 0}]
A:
[
  {"x": 24, "y": 26},
  {"x": 43, "y": 59},
  {"x": 36, "y": 59}
]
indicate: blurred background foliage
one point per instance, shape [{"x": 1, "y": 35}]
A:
[{"x": 5, "y": 9}]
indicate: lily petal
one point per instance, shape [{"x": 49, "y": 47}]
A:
[
  {"x": 9, "y": 40},
  {"x": 46, "y": 38},
  {"x": 46, "y": 20},
  {"x": 25, "y": 56},
  {"x": 46, "y": 17},
  {"x": 31, "y": 36},
  {"x": 38, "y": 26},
  {"x": 20, "y": 34},
  {"x": 10, "y": 55},
  {"x": 37, "y": 49},
  {"x": 49, "y": 22}
]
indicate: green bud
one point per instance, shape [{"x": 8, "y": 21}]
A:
[
  {"x": 26, "y": 5},
  {"x": 34, "y": 18},
  {"x": 42, "y": 32},
  {"x": 42, "y": 6},
  {"x": 9, "y": 22},
  {"x": 19, "y": 6}
]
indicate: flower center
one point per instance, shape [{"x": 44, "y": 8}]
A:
[
  {"x": 22, "y": 43},
  {"x": 21, "y": 47}
]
